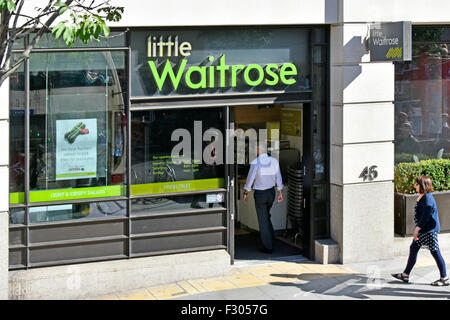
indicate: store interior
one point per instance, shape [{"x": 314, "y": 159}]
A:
[{"x": 284, "y": 124}]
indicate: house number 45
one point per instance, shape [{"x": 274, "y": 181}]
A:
[{"x": 369, "y": 173}]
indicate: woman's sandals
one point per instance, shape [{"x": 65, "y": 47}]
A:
[
  {"x": 440, "y": 283},
  {"x": 401, "y": 277},
  {"x": 437, "y": 283}
]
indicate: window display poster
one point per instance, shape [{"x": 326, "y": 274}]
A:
[
  {"x": 76, "y": 149},
  {"x": 291, "y": 122}
]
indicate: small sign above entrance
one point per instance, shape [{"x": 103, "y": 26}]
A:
[{"x": 391, "y": 41}]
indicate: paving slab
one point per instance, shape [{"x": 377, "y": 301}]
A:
[
  {"x": 253, "y": 293},
  {"x": 245, "y": 279},
  {"x": 168, "y": 291},
  {"x": 142, "y": 294},
  {"x": 281, "y": 291},
  {"x": 215, "y": 295}
]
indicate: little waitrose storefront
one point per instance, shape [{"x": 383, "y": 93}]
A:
[{"x": 127, "y": 152}]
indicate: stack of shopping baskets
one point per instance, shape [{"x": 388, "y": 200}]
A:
[{"x": 295, "y": 197}]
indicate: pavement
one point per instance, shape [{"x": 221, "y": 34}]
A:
[{"x": 297, "y": 278}]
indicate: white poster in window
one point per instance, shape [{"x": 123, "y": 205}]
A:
[{"x": 76, "y": 149}]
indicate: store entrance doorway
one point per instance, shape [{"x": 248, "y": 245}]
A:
[{"x": 287, "y": 138}]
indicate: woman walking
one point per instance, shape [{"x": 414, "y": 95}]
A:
[{"x": 426, "y": 220}]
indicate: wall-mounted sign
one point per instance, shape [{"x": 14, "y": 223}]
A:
[
  {"x": 236, "y": 60},
  {"x": 214, "y": 72},
  {"x": 391, "y": 41},
  {"x": 215, "y": 197}
]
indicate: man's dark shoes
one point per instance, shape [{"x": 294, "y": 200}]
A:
[{"x": 266, "y": 250}]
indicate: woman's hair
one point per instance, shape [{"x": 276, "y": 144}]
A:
[{"x": 425, "y": 184}]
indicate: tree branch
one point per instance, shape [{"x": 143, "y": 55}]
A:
[{"x": 81, "y": 10}]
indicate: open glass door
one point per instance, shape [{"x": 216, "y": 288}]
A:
[
  {"x": 308, "y": 162},
  {"x": 283, "y": 124},
  {"x": 316, "y": 156},
  {"x": 230, "y": 180}
]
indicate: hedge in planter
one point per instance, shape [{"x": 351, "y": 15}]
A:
[
  {"x": 437, "y": 169},
  {"x": 409, "y": 157},
  {"x": 405, "y": 196}
]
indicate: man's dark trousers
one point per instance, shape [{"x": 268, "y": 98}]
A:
[{"x": 263, "y": 202}]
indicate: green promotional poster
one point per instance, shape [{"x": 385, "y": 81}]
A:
[{"x": 76, "y": 149}]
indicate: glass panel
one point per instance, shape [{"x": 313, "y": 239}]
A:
[
  {"x": 319, "y": 192},
  {"x": 320, "y": 128},
  {"x": 116, "y": 39},
  {"x": 319, "y": 36},
  {"x": 422, "y": 96},
  {"x": 212, "y": 61},
  {"x": 78, "y": 211},
  {"x": 77, "y": 125},
  {"x": 16, "y": 136},
  {"x": 321, "y": 229},
  {"x": 153, "y": 169},
  {"x": 177, "y": 203},
  {"x": 17, "y": 216},
  {"x": 19, "y": 44},
  {"x": 430, "y": 33}
]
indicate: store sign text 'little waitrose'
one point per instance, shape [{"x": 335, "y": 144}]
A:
[{"x": 216, "y": 72}]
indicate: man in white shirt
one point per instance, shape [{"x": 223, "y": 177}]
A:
[{"x": 264, "y": 175}]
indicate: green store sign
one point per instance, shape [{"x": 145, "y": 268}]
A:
[{"x": 216, "y": 73}]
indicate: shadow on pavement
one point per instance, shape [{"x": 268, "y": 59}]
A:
[{"x": 358, "y": 286}]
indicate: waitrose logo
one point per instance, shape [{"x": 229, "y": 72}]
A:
[{"x": 216, "y": 74}]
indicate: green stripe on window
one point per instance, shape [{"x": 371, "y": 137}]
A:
[
  {"x": 76, "y": 175},
  {"x": 76, "y": 193},
  {"x": 177, "y": 186},
  {"x": 119, "y": 190},
  {"x": 16, "y": 197}
]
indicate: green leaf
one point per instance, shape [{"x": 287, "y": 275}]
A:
[
  {"x": 11, "y": 5},
  {"x": 106, "y": 30},
  {"x": 69, "y": 36},
  {"x": 96, "y": 31},
  {"x": 84, "y": 25},
  {"x": 62, "y": 10},
  {"x": 59, "y": 32},
  {"x": 59, "y": 29}
]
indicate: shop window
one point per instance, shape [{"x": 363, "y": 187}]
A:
[
  {"x": 145, "y": 206},
  {"x": 17, "y": 216},
  {"x": 77, "y": 125},
  {"x": 115, "y": 39},
  {"x": 320, "y": 134},
  {"x": 78, "y": 211},
  {"x": 16, "y": 136},
  {"x": 422, "y": 97},
  {"x": 153, "y": 170}
]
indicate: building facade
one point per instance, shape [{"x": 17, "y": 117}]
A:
[{"x": 114, "y": 211}]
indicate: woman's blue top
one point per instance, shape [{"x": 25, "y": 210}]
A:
[{"x": 427, "y": 214}]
